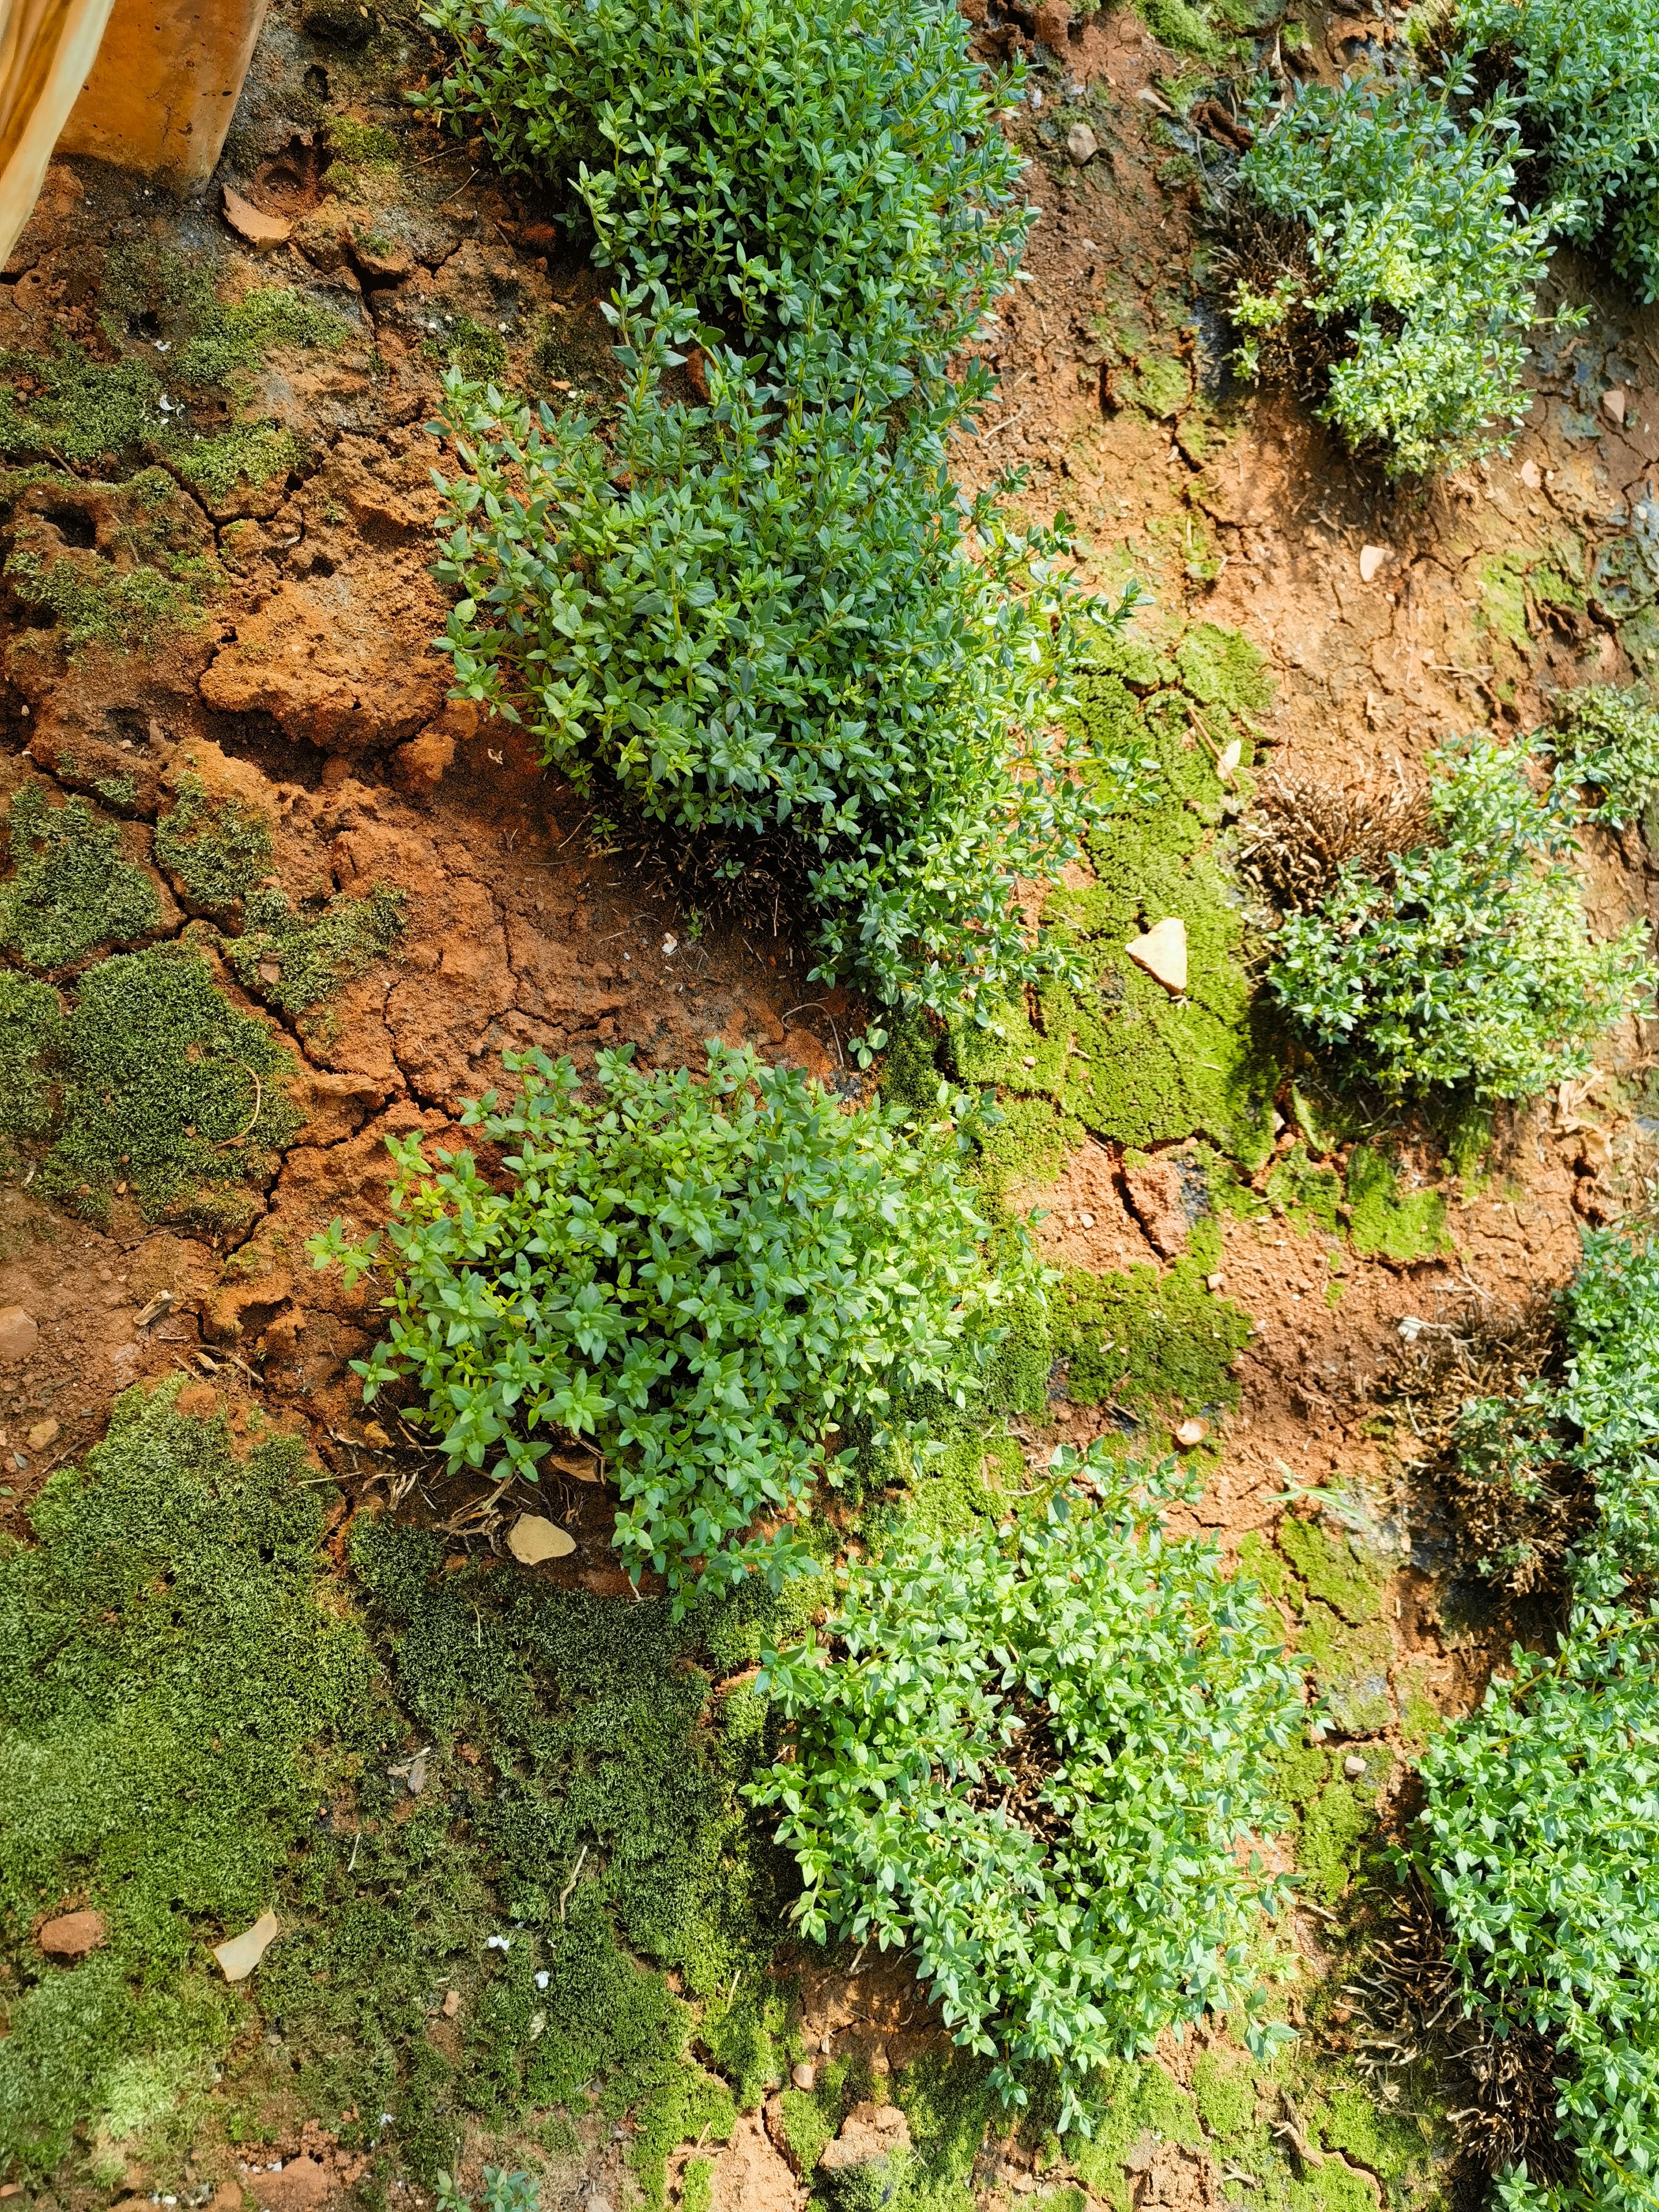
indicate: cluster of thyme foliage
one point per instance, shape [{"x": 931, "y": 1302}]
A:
[
  {"x": 1471, "y": 966},
  {"x": 1540, "y": 1829},
  {"x": 767, "y": 615},
  {"x": 1605, "y": 741},
  {"x": 708, "y": 1279},
  {"x": 771, "y": 614},
  {"x": 828, "y": 173},
  {"x": 1416, "y": 263},
  {"x": 1030, "y": 1756},
  {"x": 1585, "y": 75}
]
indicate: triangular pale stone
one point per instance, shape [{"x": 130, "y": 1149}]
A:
[
  {"x": 532, "y": 1538},
  {"x": 1163, "y": 953}
]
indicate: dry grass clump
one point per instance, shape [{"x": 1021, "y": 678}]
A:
[
  {"x": 1294, "y": 845},
  {"x": 1504, "y": 2077}
]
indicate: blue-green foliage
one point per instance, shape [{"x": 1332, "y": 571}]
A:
[
  {"x": 1585, "y": 74},
  {"x": 1473, "y": 964},
  {"x": 1415, "y": 255},
  {"x": 770, "y": 615},
  {"x": 803, "y": 174},
  {"x": 1029, "y": 1757},
  {"x": 708, "y": 1278},
  {"x": 168, "y": 1670},
  {"x": 1540, "y": 1834}
]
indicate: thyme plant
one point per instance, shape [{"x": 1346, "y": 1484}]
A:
[
  {"x": 710, "y": 1280},
  {"x": 1032, "y": 1758}
]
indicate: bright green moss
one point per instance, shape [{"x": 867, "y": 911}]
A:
[
  {"x": 697, "y": 2186},
  {"x": 1221, "y": 668},
  {"x": 361, "y": 141},
  {"x": 477, "y": 349},
  {"x": 1331, "y": 1569},
  {"x": 1386, "y": 1224},
  {"x": 812, "y": 2118},
  {"x": 230, "y": 341},
  {"x": 1223, "y": 2089},
  {"x": 79, "y": 412},
  {"x": 71, "y": 889},
  {"x": 1122, "y": 1057},
  {"x": 118, "y": 791},
  {"x": 168, "y": 1089},
  {"x": 167, "y": 1666},
  {"x": 216, "y": 849},
  {"x": 1258, "y": 1558},
  {"x": 128, "y": 610},
  {"x": 1350, "y": 1666},
  {"x": 252, "y": 453},
  {"x": 1306, "y": 1196},
  {"x": 1147, "y": 1341},
  {"x": 1133, "y": 2099}
]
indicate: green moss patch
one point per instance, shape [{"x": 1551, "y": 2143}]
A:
[
  {"x": 71, "y": 888},
  {"x": 151, "y": 570},
  {"x": 294, "y": 958},
  {"x": 169, "y": 1090},
  {"x": 1386, "y": 1222},
  {"x": 167, "y": 1666},
  {"x": 215, "y": 850},
  {"x": 1120, "y": 1057},
  {"x": 1150, "y": 1342},
  {"x": 1331, "y": 1568},
  {"x": 1350, "y": 1668}
]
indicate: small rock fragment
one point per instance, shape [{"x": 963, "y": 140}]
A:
[
  {"x": 1163, "y": 953},
  {"x": 1531, "y": 476},
  {"x": 804, "y": 2074},
  {"x": 1190, "y": 1433},
  {"x": 1231, "y": 754},
  {"x": 43, "y": 1434},
  {"x": 19, "y": 1333},
  {"x": 533, "y": 1538},
  {"x": 242, "y": 1954},
  {"x": 1086, "y": 1220},
  {"x": 452, "y": 2003},
  {"x": 1216, "y": 1282},
  {"x": 71, "y": 1935},
  {"x": 1371, "y": 558},
  {"x": 264, "y": 232},
  {"x": 868, "y": 2133},
  {"x": 374, "y": 1434},
  {"x": 1353, "y": 1766},
  {"x": 1081, "y": 144},
  {"x": 1153, "y": 1191},
  {"x": 577, "y": 1465},
  {"x": 1616, "y": 406},
  {"x": 161, "y": 1303}
]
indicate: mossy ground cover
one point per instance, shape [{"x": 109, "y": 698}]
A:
[
  {"x": 1122, "y": 1058},
  {"x": 72, "y": 888}
]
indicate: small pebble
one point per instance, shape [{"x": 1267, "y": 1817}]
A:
[
  {"x": 1028, "y": 1061},
  {"x": 804, "y": 2074},
  {"x": 42, "y": 1434},
  {"x": 1214, "y": 1282},
  {"x": 1087, "y": 1219},
  {"x": 1353, "y": 1766},
  {"x": 1081, "y": 144}
]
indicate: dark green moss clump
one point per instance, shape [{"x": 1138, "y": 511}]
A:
[
  {"x": 216, "y": 850},
  {"x": 170, "y": 1090},
  {"x": 32, "y": 1028},
  {"x": 170, "y": 1680},
  {"x": 71, "y": 889},
  {"x": 294, "y": 958}
]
